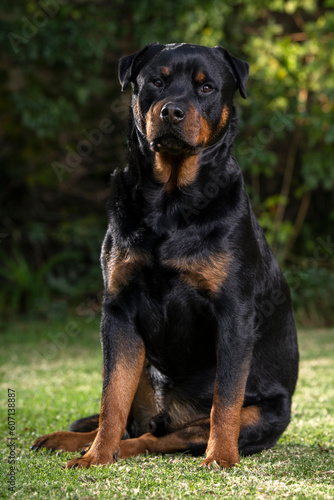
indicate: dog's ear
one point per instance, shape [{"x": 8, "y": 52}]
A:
[
  {"x": 240, "y": 69},
  {"x": 129, "y": 66}
]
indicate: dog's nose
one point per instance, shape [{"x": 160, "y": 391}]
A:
[{"x": 170, "y": 112}]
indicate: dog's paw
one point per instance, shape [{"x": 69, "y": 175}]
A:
[
  {"x": 85, "y": 448},
  {"x": 89, "y": 459},
  {"x": 219, "y": 462},
  {"x": 78, "y": 463},
  {"x": 67, "y": 441}
]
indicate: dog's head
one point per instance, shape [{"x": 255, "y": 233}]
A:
[{"x": 182, "y": 95}]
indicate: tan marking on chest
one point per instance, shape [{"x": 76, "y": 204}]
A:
[
  {"x": 209, "y": 274},
  {"x": 122, "y": 267},
  {"x": 172, "y": 172}
]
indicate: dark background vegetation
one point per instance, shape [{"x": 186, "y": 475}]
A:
[{"x": 63, "y": 124}]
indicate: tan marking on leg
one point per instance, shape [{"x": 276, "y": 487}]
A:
[
  {"x": 115, "y": 407},
  {"x": 250, "y": 416},
  {"x": 65, "y": 440},
  {"x": 151, "y": 444},
  {"x": 224, "y": 433},
  {"x": 225, "y": 423},
  {"x": 144, "y": 405},
  {"x": 194, "y": 434}
]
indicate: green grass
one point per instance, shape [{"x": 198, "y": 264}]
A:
[{"x": 59, "y": 379}]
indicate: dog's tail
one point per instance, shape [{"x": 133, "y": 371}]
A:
[{"x": 86, "y": 424}]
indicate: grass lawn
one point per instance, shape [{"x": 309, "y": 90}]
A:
[{"x": 59, "y": 379}]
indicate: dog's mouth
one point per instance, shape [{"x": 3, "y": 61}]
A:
[{"x": 171, "y": 144}]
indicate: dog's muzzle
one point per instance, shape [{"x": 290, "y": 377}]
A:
[{"x": 170, "y": 143}]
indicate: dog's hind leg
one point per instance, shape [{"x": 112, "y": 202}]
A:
[
  {"x": 192, "y": 438},
  {"x": 258, "y": 431},
  {"x": 86, "y": 424},
  {"x": 64, "y": 440},
  {"x": 264, "y": 424}
]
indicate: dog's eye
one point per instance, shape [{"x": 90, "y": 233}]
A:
[
  {"x": 157, "y": 82},
  {"x": 206, "y": 88}
]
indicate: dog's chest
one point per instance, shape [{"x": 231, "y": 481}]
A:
[
  {"x": 173, "y": 301},
  {"x": 204, "y": 272},
  {"x": 179, "y": 332}
]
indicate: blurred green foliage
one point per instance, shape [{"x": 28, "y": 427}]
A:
[{"x": 63, "y": 130}]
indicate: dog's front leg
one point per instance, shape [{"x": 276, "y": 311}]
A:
[
  {"x": 234, "y": 349},
  {"x": 123, "y": 358}
]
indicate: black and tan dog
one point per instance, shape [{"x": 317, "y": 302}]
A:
[{"x": 198, "y": 333}]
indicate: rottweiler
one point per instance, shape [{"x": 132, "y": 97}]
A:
[{"x": 198, "y": 333}]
